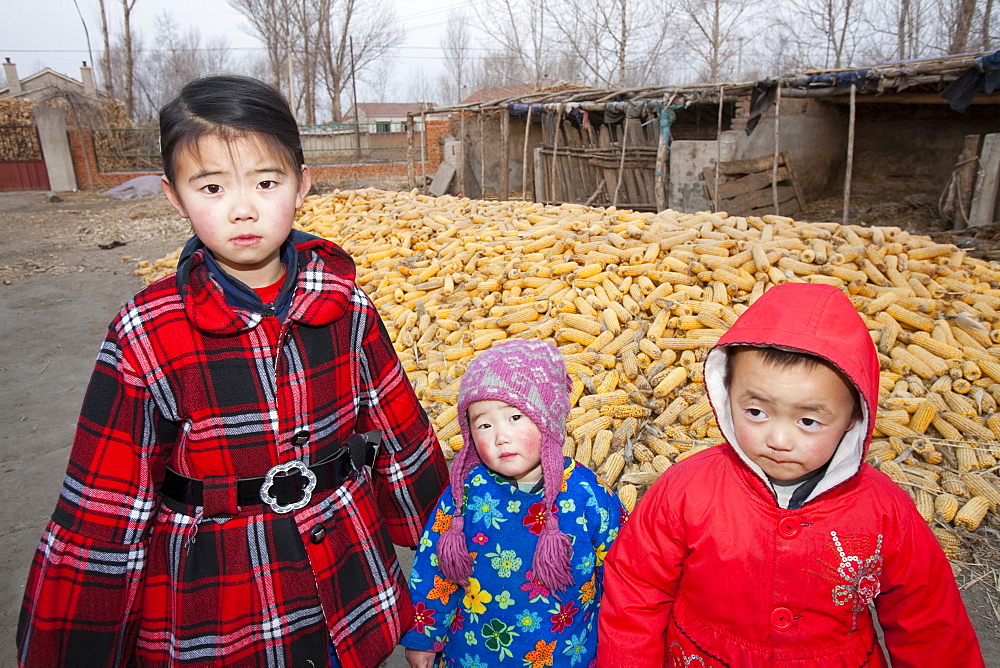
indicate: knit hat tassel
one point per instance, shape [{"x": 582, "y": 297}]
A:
[
  {"x": 453, "y": 553},
  {"x": 551, "y": 564}
]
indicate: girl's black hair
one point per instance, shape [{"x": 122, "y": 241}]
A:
[{"x": 228, "y": 106}]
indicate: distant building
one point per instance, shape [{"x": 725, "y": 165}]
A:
[
  {"x": 47, "y": 83},
  {"x": 383, "y": 117}
]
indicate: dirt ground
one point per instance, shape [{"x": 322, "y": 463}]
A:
[{"x": 67, "y": 267}]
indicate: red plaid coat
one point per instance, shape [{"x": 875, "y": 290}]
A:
[{"x": 186, "y": 380}]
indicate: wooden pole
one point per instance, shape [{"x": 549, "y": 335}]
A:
[
  {"x": 621, "y": 163},
  {"x": 504, "y": 162},
  {"x": 777, "y": 150},
  {"x": 718, "y": 150},
  {"x": 423, "y": 150},
  {"x": 555, "y": 153},
  {"x": 465, "y": 151},
  {"x": 850, "y": 158},
  {"x": 524, "y": 157},
  {"x": 482, "y": 158},
  {"x": 660, "y": 174},
  {"x": 411, "y": 174}
]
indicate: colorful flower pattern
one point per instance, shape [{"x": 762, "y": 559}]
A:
[{"x": 504, "y": 616}]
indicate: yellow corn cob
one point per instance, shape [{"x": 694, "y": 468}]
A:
[
  {"x": 670, "y": 382},
  {"x": 925, "y": 504},
  {"x": 966, "y": 458},
  {"x": 910, "y": 318},
  {"x": 921, "y": 418},
  {"x": 972, "y": 513},
  {"x": 630, "y": 365},
  {"x": 628, "y": 494},
  {"x": 601, "y": 447},
  {"x": 583, "y": 323},
  {"x": 625, "y": 430},
  {"x": 662, "y": 446},
  {"x": 951, "y": 483},
  {"x": 641, "y": 453},
  {"x": 624, "y": 411},
  {"x": 977, "y": 485},
  {"x": 584, "y": 448},
  {"x": 575, "y": 335},
  {"x": 895, "y": 473},
  {"x": 591, "y": 427},
  {"x": 612, "y": 468},
  {"x": 701, "y": 408},
  {"x": 612, "y": 398},
  {"x": 891, "y": 428},
  {"x": 968, "y": 426},
  {"x": 947, "y": 505},
  {"x": 950, "y": 544},
  {"x": 660, "y": 463},
  {"x": 687, "y": 453}
]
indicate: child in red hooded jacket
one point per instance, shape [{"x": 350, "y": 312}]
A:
[{"x": 772, "y": 549}]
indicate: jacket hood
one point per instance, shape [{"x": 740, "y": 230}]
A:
[{"x": 815, "y": 319}]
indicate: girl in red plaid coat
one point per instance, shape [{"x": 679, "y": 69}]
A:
[{"x": 211, "y": 512}]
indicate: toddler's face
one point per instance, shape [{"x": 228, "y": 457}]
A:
[
  {"x": 507, "y": 441},
  {"x": 788, "y": 420}
]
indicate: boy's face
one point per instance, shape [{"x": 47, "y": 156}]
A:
[
  {"x": 789, "y": 420},
  {"x": 507, "y": 441},
  {"x": 241, "y": 199}
]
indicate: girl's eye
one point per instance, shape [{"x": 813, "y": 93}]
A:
[
  {"x": 483, "y": 425},
  {"x": 515, "y": 417},
  {"x": 267, "y": 185},
  {"x": 212, "y": 188},
  {"x": 755, "y": 413},
  {"x": 809, "y": 422}
]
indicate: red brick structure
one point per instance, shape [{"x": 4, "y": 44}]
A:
[{"x": 88, "y": 176}]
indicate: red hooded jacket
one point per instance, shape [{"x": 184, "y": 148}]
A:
[{"x": 710, "y": 571}]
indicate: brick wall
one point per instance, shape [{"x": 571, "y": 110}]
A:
[
  {"x": 380, "y": 175},
  {"x": 81, "y": 146},
  {"x": 742, "y": 112}
]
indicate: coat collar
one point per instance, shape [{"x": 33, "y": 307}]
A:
[{"x": 323, "y": 287}]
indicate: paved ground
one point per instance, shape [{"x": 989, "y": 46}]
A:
[{"x": 65, "y": 269}]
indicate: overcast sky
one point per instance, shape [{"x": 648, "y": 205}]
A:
[{"x": 48, "y": 33}]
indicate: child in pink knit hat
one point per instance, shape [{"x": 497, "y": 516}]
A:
[{"x": 510, "y": 566}]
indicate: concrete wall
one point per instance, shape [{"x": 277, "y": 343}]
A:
[
  {"x": 687, "y": 160},
  {"x": 814, "y": 134},
  {"x": 51, "y": 124}
]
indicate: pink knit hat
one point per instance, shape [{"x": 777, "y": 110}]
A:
[{"x": 531, "y": 376}]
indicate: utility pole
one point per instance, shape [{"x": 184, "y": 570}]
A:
[{"x": 354, "y": 93}]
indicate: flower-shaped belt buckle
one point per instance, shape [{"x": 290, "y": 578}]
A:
[{"x": 301, "y": 469}]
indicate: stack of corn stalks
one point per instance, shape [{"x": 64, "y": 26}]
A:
[{"x": 635, "y": 300}]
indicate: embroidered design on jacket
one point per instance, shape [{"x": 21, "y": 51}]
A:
[
  {"x": 678, "y": 659},
  {"x": 861, "y": 577}
]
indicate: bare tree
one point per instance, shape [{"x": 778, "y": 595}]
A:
[
  {"x": 829, "y": 27},
  {"x": 366, "y": 29},
  {"x": 106, "y": 56},
  {"x": 716, "y": 26},
  {"x": 961, "y": 14},
  {"x": 178, "y": 58},
  {"x": 518, "y": 29},
  {"x": 616, "y": 43},
  {"x": 271, "y": 21},
  {"x": 457, "y": 59},
  {"x": 127, "y": 6}
]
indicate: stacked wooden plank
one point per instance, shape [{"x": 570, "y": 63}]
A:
[{"x": 753, "y": 187}]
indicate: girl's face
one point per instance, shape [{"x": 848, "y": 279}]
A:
[
  {"x": 507, "y": 441},
  {"x": 241, "y": 199},
  {"x": 789, "y": 420}
]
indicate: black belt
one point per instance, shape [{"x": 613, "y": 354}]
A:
[{"x": 286, "y": 487}]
